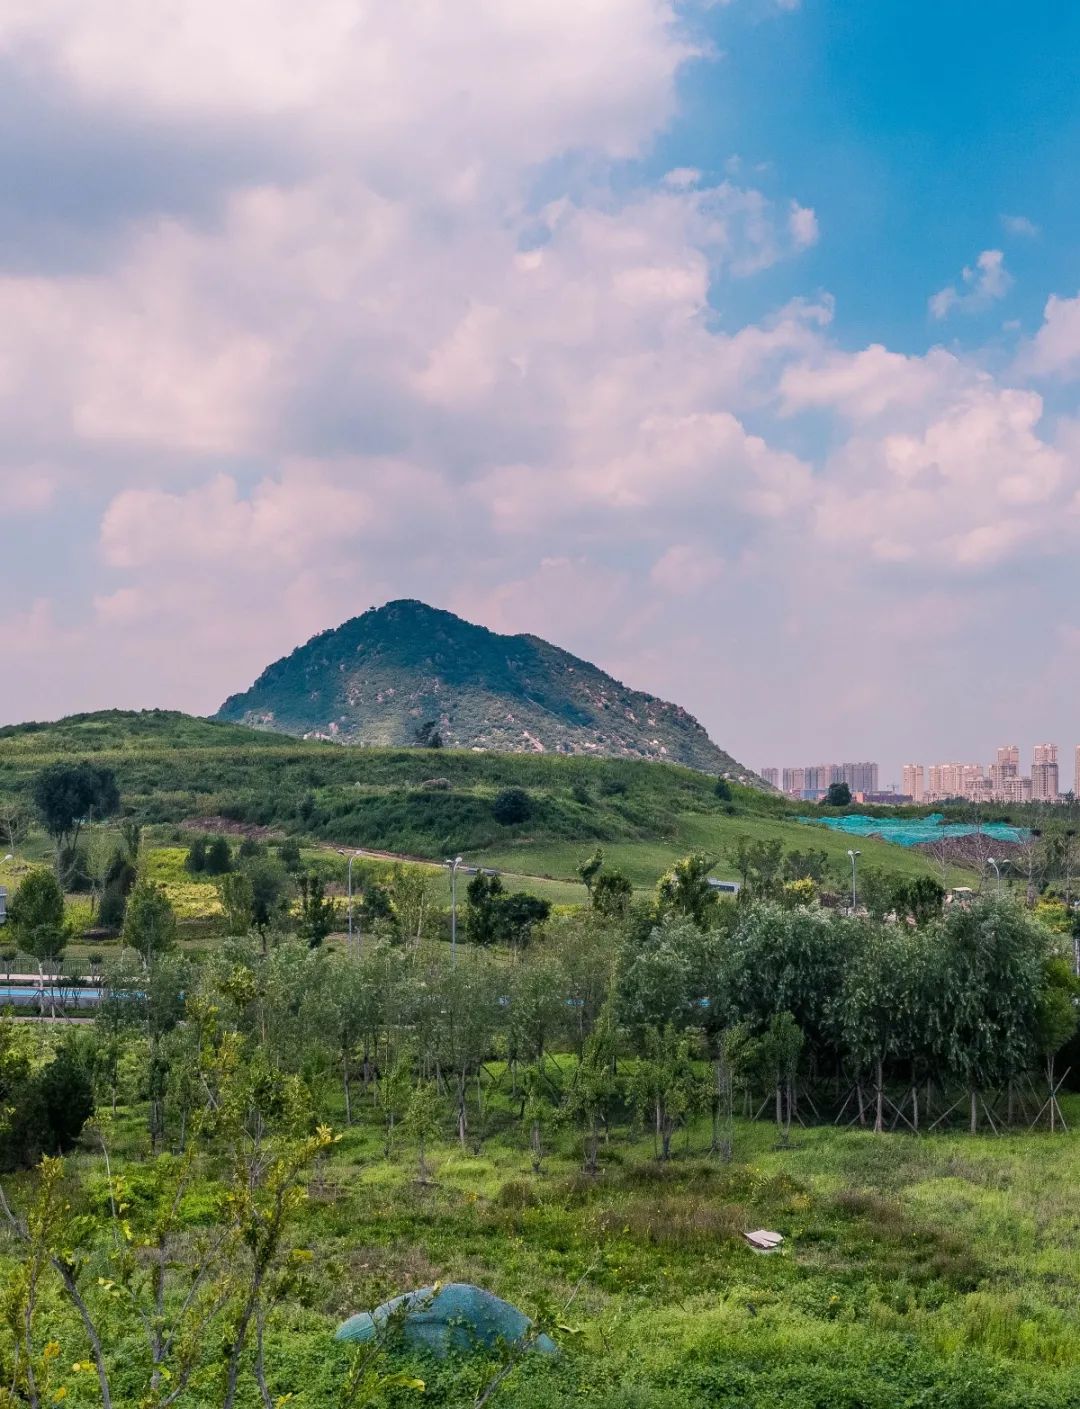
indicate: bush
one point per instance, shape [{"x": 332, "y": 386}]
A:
[
  {"x": 195, "y": 861},
  {"x": 47, "y": 1108},
  {"x": 218, "y": 858},
  {"x": 511, "y": 807}
]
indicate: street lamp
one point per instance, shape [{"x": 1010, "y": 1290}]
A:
[
  {"x": 453, "y": 865},
  {"x": 352, "y": 858},
  {"x": 853, "y": 855},
  {"x": 997, "y": 870}
]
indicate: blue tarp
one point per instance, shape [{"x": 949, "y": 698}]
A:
[
  {"x": 912, "y": 831},
  {"x": 457, "y": 1316}
]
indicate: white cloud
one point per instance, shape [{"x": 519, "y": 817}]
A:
[
  {"x": 1055, "y": 348},
  {"x": 981, "y": 286},
  {"x": 1020, "y": 227},
  {"x": 803, "y": 225}
]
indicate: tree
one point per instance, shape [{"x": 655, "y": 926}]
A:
[
  {"x": 66, "y": 795},
  {"x": 759, "y": 865},
  {"x": 594, "y": 1087},
  {"x": 427, "y": 735},
  {"x": 611, "y": 894},
  {"x": 685, "y": 890},
  {"x": 195, "y": 860},
  {"x": 511, "y": 807},
  {"x": 665, "y": 1085},
  {"x": 590, "y": 868},
  {"x": 517, "y": 916},
  {"x": 413, "y": 891},
  {"x": 269, "y": 892},
  {"x": 217, "y": 858},
  {"x": 150, "y": 922},
  {"x": 723, "y": 790},
  {"x": 839, "y": 795},
  {"x": 14, "y": 822},
  {"x": 37, "y": 918},
  {"x": 482, "y": 917},
  {"x": 318, "y": 911},
  {"x": 237, "y": 897}
]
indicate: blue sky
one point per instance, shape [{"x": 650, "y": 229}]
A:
[{"x": 734, "y": 346}]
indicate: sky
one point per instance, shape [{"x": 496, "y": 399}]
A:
[{"x": 733, "y": 346}]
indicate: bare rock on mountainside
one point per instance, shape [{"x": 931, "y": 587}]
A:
[{"x": 406, "y": 672}]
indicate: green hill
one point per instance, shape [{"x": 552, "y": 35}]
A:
[
  {"x": 382, "y": 676},
  {"x": 424, "y": 802}
]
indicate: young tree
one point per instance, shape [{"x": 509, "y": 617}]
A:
[
  {"x": 685, "y": 890},
  {"x": 423, "y": 1120},
  {"x": 318, "y": 911},
  {"x": 40, "y": 929},
  {"x": 594, "y": 1086},
  {"x": 217, "y": 857},
  {"x": 590, "y": 868},
  {"x": 665, "y": 1087},
  {"x": 518, "y": 915},
  {"x": 612, "y": 893},
  {"x": 195, "y": 860},
  {"x": 237, "y": 897},
  {"x": 149, "y": 922},
  {"x": 482, "y": 918}
]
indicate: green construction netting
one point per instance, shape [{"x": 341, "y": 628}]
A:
[
  {"x": 457, "y": 1316},
  {"x": 912, "y": 831}
]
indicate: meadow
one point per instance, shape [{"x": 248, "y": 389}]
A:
[{"x": 936, "y": 1271}]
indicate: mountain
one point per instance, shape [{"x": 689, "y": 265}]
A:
[{"x": 380, "y": 677}]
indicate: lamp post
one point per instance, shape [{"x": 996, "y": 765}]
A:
[
  {"x": 853, "y": 855},
  {"x": 453, "y": 865},
  {"x": 997, "y": 870},
  {"x": 352, "y": 858}
]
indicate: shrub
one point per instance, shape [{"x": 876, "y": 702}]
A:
[{"x": 511, "y": 807}]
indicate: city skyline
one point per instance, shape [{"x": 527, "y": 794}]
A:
[{"x": 1002, "y": 780}]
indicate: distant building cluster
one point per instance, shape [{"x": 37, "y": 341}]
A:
[
  {"x": 811, "y": 782},
  {"x": 1001, "y": 782}
]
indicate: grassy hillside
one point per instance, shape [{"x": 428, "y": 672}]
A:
[{"x": 427, "y": 803}]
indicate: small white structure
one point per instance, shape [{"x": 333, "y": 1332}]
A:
[
  {"x": 761, "y": 1240},
  {"x": 3, "y": 906}
]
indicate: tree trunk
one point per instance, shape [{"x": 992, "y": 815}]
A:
[
  {"x": 879, "y": 1105},
  {"x": 974, "y": 1112}
]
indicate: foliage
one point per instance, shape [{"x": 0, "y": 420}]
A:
[
  {"x": 67, "y": 794},
  {"x": 511, "y": 807},
  {"x": 317, "y": 914},
  {"x": 685, "y": 890},
  {"x": 149, "y": 921},
  {"x": 838, "y": 795},
  {"x": 37, "y": 916}
]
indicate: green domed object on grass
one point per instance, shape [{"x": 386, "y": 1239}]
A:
[{"x": 457, "y": 1316}]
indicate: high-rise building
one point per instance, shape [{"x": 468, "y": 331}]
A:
[
  {"x": 1076, "y": 775},
  {"x": 914, "y": 785},
  {"x": 1005, "y": 766},
  {"x": 771, "y": 775},
  {"x": 1044, "y": 773},
  {"x": 794, "y": 780},
  {"x": 860, "y": 777},
  {"x": 955, "y": 780}
]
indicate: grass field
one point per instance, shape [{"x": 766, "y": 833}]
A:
[
  {"x": 937, "y": 1272},
  {"x": 644, "y": 861},
  {"x": 430, "y": 803}
]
